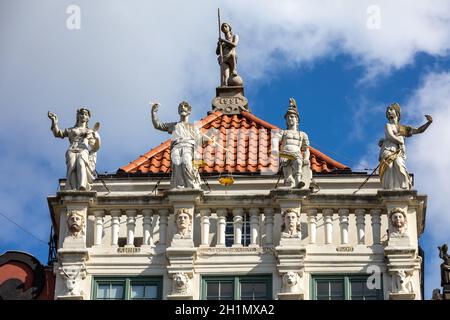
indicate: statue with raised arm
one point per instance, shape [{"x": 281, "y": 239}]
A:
[
  {"x": 294, "y": 151},
  {"x": 445, "y": 266},
  {"x": 81, "y": 156},
  {"x": 393, "y": 173},
  {"x": 185, "y": 138},
  {"x": 226, "y": 50}
]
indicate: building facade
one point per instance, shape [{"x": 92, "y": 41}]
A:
[{"x": 120, "y": 240}]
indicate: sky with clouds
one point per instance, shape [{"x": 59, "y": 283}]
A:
[{"x": 343, "y": 61}]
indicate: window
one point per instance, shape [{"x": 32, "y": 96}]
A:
[
  {"x": 229, "y": 231},
  {"x": 131, "y": 288},
  {"x": 351, "y": 287},
  {"x": 237, "y": 288}
]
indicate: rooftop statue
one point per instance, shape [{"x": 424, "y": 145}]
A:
[
  {"x": 445, "y": 266},
  {"x": 393, "y": 173},
  {"x": 81, "y": 156},
  {"x": 294, "y": 151},
  {"x": 226, "y": 49},
  {"x": 185, "y": 137}
]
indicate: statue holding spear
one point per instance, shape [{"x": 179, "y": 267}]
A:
[{"x": 226, "y": 49}]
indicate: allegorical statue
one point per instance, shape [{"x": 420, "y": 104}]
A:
[
  {"x": 226, "y": 49},
  {"x": 393, "y": 173},
  {"x": 294, "y": 151},
  {"x": 445, "y": 266},
  {"x": 81, "y": 156},
  {"x": 185, "y": 138}
]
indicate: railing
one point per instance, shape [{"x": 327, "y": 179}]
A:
[{"x": 322, "y": 226}]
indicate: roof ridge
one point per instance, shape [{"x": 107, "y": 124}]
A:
[
  {"x": 319, "y": 161},
  {"x": 326, "y": 158},
  {"x": 254, "y": 118}
]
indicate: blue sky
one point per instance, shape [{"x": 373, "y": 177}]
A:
[{"x": 341, "y": 72}]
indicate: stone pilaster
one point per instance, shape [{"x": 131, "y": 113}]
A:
[
  {"x": 71, "y": 270},
  {"x": 181, "y": 252},
  {"x": 290, "y": 253}
]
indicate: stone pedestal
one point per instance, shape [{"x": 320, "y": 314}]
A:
[
  {"x": 291, "y": 255},
  {"x": 181, "y": 262},
  {"x": 446, "y": 292},
  {"x": 73, "y": 253},
  {"x": 183, "y": 199},
  {"x": 288, "y": 197},
  {"x": 230, "y": 100},
  {"x": 71, "y": 271},
  {"x": 74, "y": 201},
  {"x": 402, "y": 260}
]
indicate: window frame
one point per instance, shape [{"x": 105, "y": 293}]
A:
[
  {"x": 246, "y": 230},
  {"x": 237, "y": 281},
  {"x": 346, "y": 279},
  {"x": 127, "y": 281}
]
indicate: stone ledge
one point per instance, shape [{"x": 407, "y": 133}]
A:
[
  {"x": 288, "y": 193},
  {"x": 68, "y": 297},
  {"x": 179, "y": 297},
  {"x": 402, "y": 296},
  {"x": 76, "y": 195},
  {"x": 290, "y": 296},
  {"x": 396, "y": 193}
]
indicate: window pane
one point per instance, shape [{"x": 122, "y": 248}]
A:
[
  {"x": 329, "y": 289},
  {"x": 357, "y": 288},
  {"x": 229, "y": 233},
  {"x": 226, "y": 291},
  {"x": 323, "y": 289},
  {"x": 212, "y": 289},
  {"x": 116, "y": 291},
  {"x": 151, "y": 292},
  {"x": 360, "y": 291},
  {"x": 103, "y": 291},
  {"x": 143, "y": 291},
  {"x": 216, "y": 290},
  {"x": 257, "y": 290},
  {"x": 137, "y": 291},
  {"x": 336, "y": 288}
]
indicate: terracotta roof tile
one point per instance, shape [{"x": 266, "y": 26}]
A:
[{"x": 247, "y": 140}]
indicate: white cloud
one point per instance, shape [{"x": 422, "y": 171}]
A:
[{"x": 303, "y": 31}]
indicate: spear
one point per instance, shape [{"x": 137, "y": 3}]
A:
[{"x": 220, "y": 38}]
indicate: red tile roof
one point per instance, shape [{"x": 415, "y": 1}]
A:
[{"x": 247, "y": 140}]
